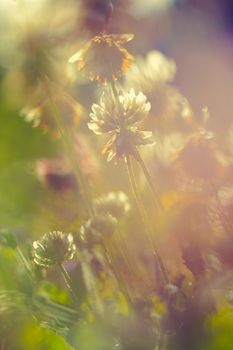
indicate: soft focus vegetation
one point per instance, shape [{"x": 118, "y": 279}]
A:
[{"x": 116, "y": 175}]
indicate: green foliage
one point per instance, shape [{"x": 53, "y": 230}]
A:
[
  {"x": 83, "y": 267},
  {"x": 20, "y": 145},
  {"x": 219, "y": 330},
  {"x": 34, "y": 337}
]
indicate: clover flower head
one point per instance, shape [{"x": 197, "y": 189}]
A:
[
  {"x": 38, "y": 111},
  {"x": 115, "y": 203},
  {"x": 97, "y": 228},
  {"x": 153, "y": 76},
  {"x": 120, "y": 119},
  {"x": 198, "y": 158},
  {"x": 37, "y": 44},
  {"x": 54, "y": 248},
  {"x": 103, "y": 58},
  {"x": 145, "y": 73}
]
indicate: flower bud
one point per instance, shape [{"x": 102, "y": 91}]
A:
[
  {"x": 98, "y": 227},
  {"x": 54, "y": 249}
]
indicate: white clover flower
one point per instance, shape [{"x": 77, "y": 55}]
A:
[
  {"x": 153, "y": 76},
  {"x": 152, "y": 70},
  {"x": 115, "y": 203},
  {"x": 120, "y": 118},
  {"x": 98, "y": 227}
]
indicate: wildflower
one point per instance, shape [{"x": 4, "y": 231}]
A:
[
  {"x": 38, "y": 112},
  {"x": 98, "y": 227},
  {"x": 154, "y": 69},
  {"x": 55, "y": 174},
  {"x": 103, "y": 58},
  {"x": 54, "y": 249},
  {"x": 153, "y": 76},
  {"x": 36, "y": 46},
  {"x": 120, "y": 119},
  {"x": 115, "y": 203},
  {"x": 198, "y": 158},
  {"x": 141, "y": 9},
  {"x": 168, "y": 148}
]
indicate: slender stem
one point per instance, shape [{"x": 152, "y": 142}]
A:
[
  {"x": 66, "y": 137},
  {"x": 143, "y": 215},
  {"x": 114, "y": 90},
  {"x": 141, "y": 162},
  {"x": 109, "y": 252},
  {"x": 91, "y": 283},
  {"x": 149, "y": 179},
  {"x": 121, "y": 245},
  {"x": 25, "y": 262},
  {"x": 68, "y": 282}
]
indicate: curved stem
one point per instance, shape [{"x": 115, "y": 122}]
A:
[
  {"x": 25, "y": 262},
  {"x": 109, "y": 252},
  {"x": 143, "y": 215},
  {"x": 66, "y": 137},
  {"x": 114, "y": 90},
  {"x": 68, "y": 282},
  {"x": 149, "y": 179}
]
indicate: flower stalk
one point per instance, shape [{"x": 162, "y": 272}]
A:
[
  {"x": 25, "y": 262},
  {"x": 67, "y": 140},
  {"x": 109, "y": 252},
  {"x": 142, "y": 212},
  {"x": 68, "y": 282},
  {"x": 149, "y": 179}
]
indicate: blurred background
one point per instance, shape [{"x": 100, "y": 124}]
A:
[{"x": 38, "y": 190}]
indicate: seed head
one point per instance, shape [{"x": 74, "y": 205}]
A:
[
  {"x": 103, "y": 58},
  {"x": 53, "y": 249}
]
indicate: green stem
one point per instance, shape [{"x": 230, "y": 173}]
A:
[
  {"x": 66, "y": 137},
  {"x": 121, "y": 245},
  {"x": 25, "y": 262},
  {"x": 143, "y": 215},
  {"x": 114, "y": 90},
  {"x": 148, "y": 178},
  {"x": 116, "y": 271},
  {"x": 68, "y": 282}
]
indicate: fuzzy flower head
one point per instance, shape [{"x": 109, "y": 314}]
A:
[
  {"x": 198, "y": 158},
  {"x": 115, "y": 203},
  {"x": 103, "y": 58},
  {"x": 36, "y": 45},
  {"x": 38, "y": 112},
  {"x": 54, "y": 249},
  {"x": 153, "y": 76},
  {"x": 153, "y": 70},
  {"x": 120, "y": 119},
  {"x": 97, "y": 228}
]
